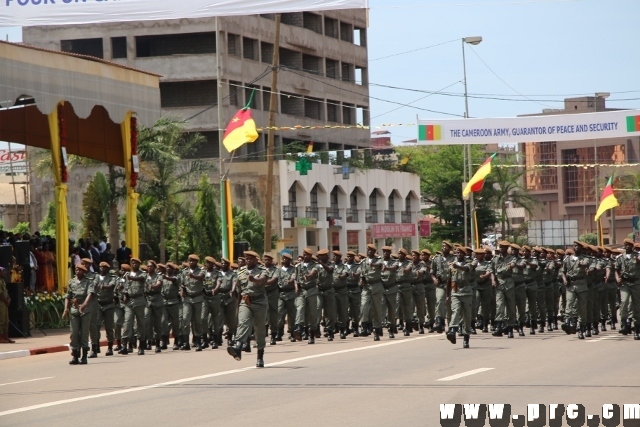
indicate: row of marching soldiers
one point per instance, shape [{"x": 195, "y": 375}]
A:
[{"x": 356, "y": 295}]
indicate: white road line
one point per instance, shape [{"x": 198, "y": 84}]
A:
[
  {"x": 202, "y": 377},
  {"x": 27, "y": 381},
  {"x": 13, "y": 354},
  {"x": 465, "y": 374},
  {"x": 601, "y": 339}
]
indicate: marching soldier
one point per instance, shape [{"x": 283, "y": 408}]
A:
[
  {"x": 628, "y": 280},
  {"x": 306, "y": 287},
  {"x": 611, "y": 290},
  {"x": 483, "y": 287},
  {"x": 211, "y": 300},
  {"x": 440, "y": 273},
  {"x": 372, "y": 295},
  {"x": 388, "y": 277},
  {"x": 529, "y": 271},
  {"x": 252, "y": 311},
  {"x": 548, "y": 279},
  {"x": 411, "y": 289},
  {"x": 340, "y": 277},
  {"x": 227, "y": 287},
  {"x": 104, "y": 285},
  {"x": 429, "y": 291},
  {"x": 502, "y": 281},
  {"x": 561, "y": 301},
  {"x": 591, "y": 279},
  {"x": 192, "y": 291},
  {"x": 574, "y": 274},
  {"x": 80, "y": 292},
  {"x": 520, "y": 282},
  {"x": 135, "y": 304},
  {"x": 355, "y": 291},
  {"x": 120, "y": 306},
  {"x": 154, "y": 311},
  {"x": 171, "y": 285},
  {"x": 273, "y": 297},
  {"x": 287, "y": 297},
  {"x": 460, "y": 293},
  {"x": 94, "y": 327},
  {"x": 326, "y": 294}
]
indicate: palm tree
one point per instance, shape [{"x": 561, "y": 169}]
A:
[
  {"x": 164, "y": 176},
  {"x": 507, "y": 186},
  {"x": 629, "y": 189}
]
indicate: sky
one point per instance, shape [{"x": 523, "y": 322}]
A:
[{"x": 534, "y": 53}]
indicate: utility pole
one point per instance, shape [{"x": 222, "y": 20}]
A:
[{"x": 273, "y": 105}]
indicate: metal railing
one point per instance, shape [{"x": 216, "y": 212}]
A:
[
  {"x": 352, "y": 215},
  {"x": 312, "y": 213},
  {"x": 406, "y": 217},
  {"x": 371, "y": 216},
  {"x": 289, "y": 212},
  {"x": 389, "y": 217}
]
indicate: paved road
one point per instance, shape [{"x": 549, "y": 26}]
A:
[{"x": 347, "y": 382}]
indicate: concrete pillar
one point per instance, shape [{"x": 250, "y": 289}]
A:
[
  {"x": 302, "y": 239},
  {"x": 397, "y": 242},
  {"x": 323, "y": 242},
  {"x": 362, "y": 238}
]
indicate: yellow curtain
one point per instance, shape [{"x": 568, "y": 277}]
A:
[
  {"x": 62, "y": 221},
  {"x": 131, "y": 223}
]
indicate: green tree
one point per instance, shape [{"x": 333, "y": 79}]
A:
[
  {"x": 47, "y": 226},
  {"x": 248, "y": 226},
  {"x": 205, "y": 230},
  {"x": 95, "y": 202},
  {"x": 21, "y": 228}
]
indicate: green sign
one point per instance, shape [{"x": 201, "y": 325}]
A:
[
  {"x": 305, "y": 222},
  {"x": 304, "y": 166}
]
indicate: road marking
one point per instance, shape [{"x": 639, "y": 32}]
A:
[
  {"x": 13, "y": 354},
  {"x": 465, "y": 374},
  {"x": 202, "y": 377},
  {"x": 600, "y": 339},
  {"x": 27, "y": 381}
]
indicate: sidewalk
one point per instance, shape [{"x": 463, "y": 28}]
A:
[{"x": 54, "y": 341}]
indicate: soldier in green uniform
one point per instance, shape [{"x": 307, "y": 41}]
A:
[
  {"x": 273, "y": 296},
  {"x": 211, "y": 301},
  {"x": 287, "y": 297},
  {"x": 628, "y": 280},
  {"x": 529, "y": 266},
  {"x": 80, "y": 292},
  {"x": 390, "y": 293},
  {"x": 154, "y": 310},
  {"x": 192, "y": 294},
  {"x": 171, "y": 285},
  {"x": 94, "y": 327},
  {"x": 104, "y": 285},
  {"x": 373, "y": 291},
  {"x": 598, "y": 285},
  {"x": 120, "y": 306},
  {"x": 561, "y": 293},
  {"x": 502, "y": 281},
  {"x": 541, "y": 306},
  {"x": 340, "y": 275},
  {"x": 611, "y": 290},
  {"x": 355, "y": 291},
  {"x": 600, "y": 311},
  {"x": 326, "y": 294},
  {"x": 227, "y": 287},
  {"x": 472, "y": 262},
  {"x": 410, "y": 290},
  {"x": 252, "y": 312},
  {"x": 404, "y": 296},
  {"x": 548, "y": 274},
  {"x": 429, "y": 309},
  {"x": 591, "y": 277},
  {"x": 574, "y": 274},
  {"x": 306, "y": 286},
  {"x": 135, "y": 304},
  {"x": 460, "y": 293},
  {"x": 440, "y": 273},
  {"x": 483, "y": 287}
]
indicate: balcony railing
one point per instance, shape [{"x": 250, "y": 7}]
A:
[
  {"x": 312, "y": 213},
  {"x": 371, "y": 216},
  {"x": 389, "y": 217},
  {"x": 352, "y": 215},
  {"x": 289, "y": 212},
  {"x": 406, "y": 217},
  {"x": 333, "y": 212}
]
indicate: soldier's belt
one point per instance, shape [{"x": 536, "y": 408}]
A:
[
  {"x": 353, "y": 286},
  {"x": 106, "y": 302},
  {"x": 194, "y": 294},
  {"x": 389, "y": 285},
  {"x": 287, "y": 289},
  {"x": 273, "y": 290}
]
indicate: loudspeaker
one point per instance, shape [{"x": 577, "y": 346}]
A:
[
  {"x": 6, "y": 253},
  {"x": 16, "y": 293},
  {"x": 21, "y": 251},
  {"x": 239, "y": 248},
  {"x": 19, "y": 326}
]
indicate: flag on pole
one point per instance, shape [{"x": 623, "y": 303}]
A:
[
  {"x": 476, "y": 182},
  {"x": 310, "y": 147},
  {"x": 608, "y": 200},
  {"x": 240, "y": 130}
]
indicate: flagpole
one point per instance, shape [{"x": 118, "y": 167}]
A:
[
  {"x": 223, "y": 216},
  {"x": 273, "y": 102}
]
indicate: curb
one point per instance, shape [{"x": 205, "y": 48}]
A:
[{"x": 36, "y": 351}]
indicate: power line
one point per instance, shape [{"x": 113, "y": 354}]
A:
[{"x": 413, "y": 50}]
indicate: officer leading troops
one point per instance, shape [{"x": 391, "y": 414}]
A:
[
  {"x": 460, "y": 292},
  {"x": 105, "y": 285},
  {"x": 287, "y": 297}
]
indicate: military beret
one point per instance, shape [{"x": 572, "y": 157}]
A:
[
  {"x": 637, "y": 245},
  {"x": 241, "y": 258},
  {"x": 444, "y": 242},
  {"x": 226, "y": 260},
  {"x": 210, "y": 259},
  {"x": 479, "y": 251},
  {"x": 426, "y": 251},
  {"x": 105, "y": 264},
  {"x": 537, "y": 249},
  {"x": 81, "y": 267},
  {"x": 560, "y": 251},
  {"x": 515, "y": 246},
  {"x": 624, "y": 241},
  {"x": 125, "y": 267},
  {"x": 387, "y": 248},
  {"x": 185, "y": 264},
  {"x": 152, "y": 262},
  {"x": 87, "y": 260},
  {"x": 136, "y": 260},
  {"x": 394, "y": 256},
  {"x": 323, "y": 252},
  {"x": 456, "y": 245},
  {"x": 544, "y": 250},
  {"x": 361, "y": 255},
  {"x": 288, "y": 256},
  {"x": 144, "y": 268},
  {"x": 504, "y": 243},
  {"x": 194, "y": 257},
  {"x": 372, "y": 246},
  {"x": 438, "y": 252},
  {"x": 487, "y": 250},
  {"x": 403, "y": 251},
  {"x": 307, "y": 251},
  {"x": 413, "y": 251},
  {"x": 607, "y": 249},
  {"x": 570, "y": 251},
  {"x": 267, "y": 255},
  {"x": 161, "y": 266},
  {"x": 251, "y": 253},
  {"x": 337, "y": 253},
  {"x": 234, "y": 266},
  {"x": 351, "y": 253},
  {"x": 462, "y": 249}
]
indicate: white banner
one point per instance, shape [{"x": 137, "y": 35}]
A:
[
  {"x": 15, "y": 162},
  {"x": 565, "y": 127},
  {"x": 26, "y": 13}
]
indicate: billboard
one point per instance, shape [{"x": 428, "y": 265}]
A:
[
  {"x": 383, "y": 231},
  {"x": 14, "y": 161},
  {"x": 553, "y": 233}
]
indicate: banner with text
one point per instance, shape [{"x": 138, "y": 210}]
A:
[
  {"x": 565, "y": 127},
  {"x": 26, "y": 13},
  {"x": 13, "y": 162}
]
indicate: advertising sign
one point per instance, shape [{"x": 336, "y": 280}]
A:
[
  {"x": 383, "y": 231},
  {"x": 15, "y": 161}
]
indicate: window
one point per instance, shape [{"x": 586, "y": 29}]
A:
[
  {"x": 332, "y": 66},
  {"x": 296, "y": 19},
  {"x": 266, "y": 99},
  {"x": 290, "y": 58},
  {"x": 348, "y": 114},
  {"x": 346, "y": 32},
  {"x": 312, "y": 64},
  {"x": 313, "y": 108},
  {"x": 352, "y": 212},
  {"x": 312, "y": 21},
  {"x": 362, "y": 115},
  {"x": 176, "y": 44},
  {"x": 347, "y": 72},
  {"x": 89, "y": 47},
  {"x": 542, "y": 178},
  {"x": 312, "y": 210},
  {"x": 406, "y": 214},
  {"x": 249, "y": 48},
  {"x": 578, "y": 182},
  {"x": 331, "y": 27},
  {"x": 209, "y": 149},
  {"x": 361, "y": 76},
  {"x": 291, "y": 210},
  {"x": 188, "y": 94},
  {"x": 255, "y": 102},
  {"x": 333, "y": 210},
  {"x": 233, "y": 44},
  {"x": 266, "y": 52},
  {"x": 332, "y": 111},
  {"x": 291, "y": 104},
  {"x": 360, "y": 36},
  {"x": 235, "y": 93},
  {"x": 118, "y": 47}
]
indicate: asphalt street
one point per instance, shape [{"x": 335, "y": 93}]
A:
[{"x": 346, "y": 382}]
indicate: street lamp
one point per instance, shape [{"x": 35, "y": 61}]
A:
[{"x": 472, "y": 41}]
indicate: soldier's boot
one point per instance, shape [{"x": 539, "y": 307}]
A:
[
  {"x": 131, "y": 345},
  {"x": 118, "y": 346},
  {"x": 391, "y": 335},
  {"x": 356, "y": 333},
  {"x": 74, "y": 357},
  {"x": 98, "y": 347},
  {"x": 636, "y": 335},
  {"x": 199, "y": 345},
  {"x": 603, "y": 325},
  {"x": 497, "y": 329},
  {"x": 141, "y": 346},
  {"x": 297, "y": 333},
  {"x": 430, "y": 325},
  {"x": 521, "y": 329},
  {"x": 219, "y": 338},
  {"x": 406, "y": 330},
  {"x": 586, "y": 329},
  {"x": 439, "y": 327},
  {"x": 279, "y": 334},
  {"x": 185, "y": 343},
  {"x": 555, "y": 323},
  {"x": 510, "y": 332},
  {"x": 149, "y": 345},
  {"x": 549, "y": 323},
  {"x": 125, "y": 347},
  {"x": 305, "y": 332},
  {"x": 247, "y": 346},
  {"x": 343, "y": 333},
  {"x": 623, "y": 328},
  {"x": 235, "y": 350},
  {"x": 109, "y": 349},
  {"x": 157, "y": 349},
  {"x": 629, "y": 326},
  {"x": 581, "y": 331},
  {"x": 493, "y": 326},
  {"x": 528, "y": 322},
  {"x": 485, "y": 329},
  {"x": 312, "y": 337},
  {"x": 451, "y": 334},
  {"x": 272, "y": 341},
  {"x": 206, "y": 338},
  {"x": 330, "y": 335},
  {"x": 595, "y": 330},
  {"x": 420, "y": 329},
  {"x": 376, "y": 334},
  {"x": 83, "y": 359},
  {"x": 465, "y": 341},
  {"x": 260, "y": 360},
  {"x": 473, "y": 328},
  {"x": 541, "y": 327},
  {"x": 460, "y": 332},
  {"x": 214, "y": 341},
  {"x": 317, "y": 333},
  {"x": 614, "y": 320},
  {"x": 176, "y": 343},
  {"x": 532, "y": 323},
  {"x": 415, "y": 324},
  {"x": 94, "y": 352},
  {"x": 566, "y": 327},
  {"x": 573, "y": 325}
]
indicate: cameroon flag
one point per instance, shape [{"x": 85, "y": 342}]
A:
[
  {"x": 633, "y": 123},
  {"x": 607, "y": 201},
  {"x": 241, "y": 129},
  {"x": 429, "y": 133},
  {"x": 476, "y": 182}
]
